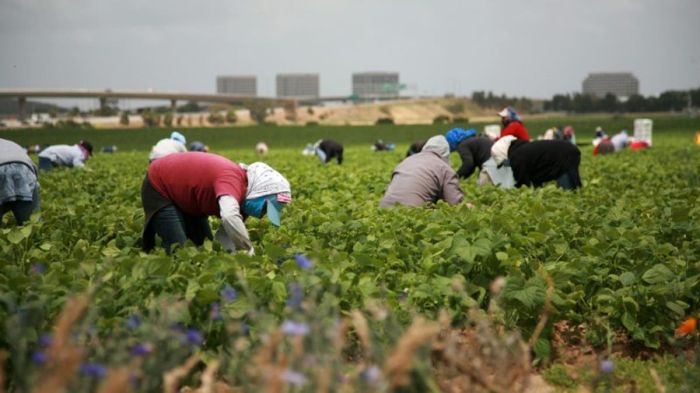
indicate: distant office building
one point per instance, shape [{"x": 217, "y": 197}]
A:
[
  {"x": 239, "y": 85},
  {"x": 619, "y": 84},
  {"x": 298, "y": 86},
  {"x": 375, "y": 84}
]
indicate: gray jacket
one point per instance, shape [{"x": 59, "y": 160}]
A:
[
  {"x": 12, "y": 152},
  {"x": 420, "y": 178}
]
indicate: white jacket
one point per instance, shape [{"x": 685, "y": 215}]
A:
[
  {"x": 165, "y": 147},
  {"x": 65, "y": 155}
]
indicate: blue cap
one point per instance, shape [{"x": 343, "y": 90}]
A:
[{"x": 457, "y": 135}]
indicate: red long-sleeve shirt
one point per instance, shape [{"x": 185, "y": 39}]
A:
[{"x": 517, "y": 129}]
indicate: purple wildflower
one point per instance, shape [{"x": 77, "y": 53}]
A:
[
  {"x": 296, "y": 295},
  {"x": 141, "y": 349},
  {"x": 194, "y": 337},
  {"x": 95, "y": 370},
  {"x": 228, "y": 294},
  {"x": 215, "y": 312},
  {"x": 292, "y": 328},
  {"x": 133, "y": 322},
  {"x": 607, "y": 366},
  {"x": 303, "y": 262},
  {"x": 294, "y": 378},
  {"x": 45, "y": 340},
  {"x": 245, "y": 328},
  {"x": 371, "y": 374},
  {"x": 38, "y": 268},
  {"x": 39, "y": 357}
]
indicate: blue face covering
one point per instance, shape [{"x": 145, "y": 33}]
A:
[{"x": 254, "y": 207}]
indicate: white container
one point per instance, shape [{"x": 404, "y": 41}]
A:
[
  {"x": 643, "y": 129},
  {"x": 493, "y": 131}
]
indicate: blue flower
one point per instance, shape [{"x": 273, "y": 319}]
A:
[
  {"x": 45, "y": 340},
  {"x": 371, "y": 374},
  {"x": 606, "y": 366},
  {"x": 296, "y": 295},
  {"x": 194, "y": 337},
  {"x": 133, "y": 322},
  {"x": 38, "y": 268},
  {"x": 39, "y": 357},
  {"x": 292, "y": 328},
  {"x": 294, "y": 378},
  {"x": 215, "y": 312},
  {"x": 141, "y": 349},
  {"x": 95, "y": 370},
  {"x": 228, "y": 294},
  {"x": 303, "y": 262}
]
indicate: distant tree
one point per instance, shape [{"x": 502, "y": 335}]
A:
[
  {"x": 310, "y": 111},
  {"x": 383, "y": 121},
  {"x": 53, "y": 112},
  {"x": 441, "y": 119},
  {"x": 456, "y": 107},
  {"x": 189, "y": 108},
  {"x": 168, "y": 119},
  {"x": 258, "y": 111},
  {"x": 124, "y": 118},
  {"x": 231, "y": 117},
  {"x": 74, "y": 112},
  {"x": 215, "y": 118}
]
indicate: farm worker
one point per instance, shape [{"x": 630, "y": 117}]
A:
[
  {"x": 569, "y": 134},
  {"x": 199, "y": 146},
  {"x": 535, "y": 163},
  {"x": 380, "y": 145},
  {"x": 604, "y": 146},
  {"x": 19, "y": 187},
  {"x": 181, "y": 190},
  {"x": 175, "y": 144},
  {"x": 473, "y": 150},
  {"x": 327, "y": 149},
  {"x": 620, "y": 140},
  {"x": 512, "y": 124},
  {"x": 261, "y": 148},
  {"x": 415, "y": 148},
  {"x": 424, "y": 177},
  {"x": 65, "y": 155}
]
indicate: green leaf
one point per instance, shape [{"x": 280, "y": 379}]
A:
[
  {"x": 627, "y": 278},
  {"x": 658, "y": 274}
]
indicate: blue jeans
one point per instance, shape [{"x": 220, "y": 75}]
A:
[
  {"x": 22, "y": 210},
  {"x": 174, "y": 226}
]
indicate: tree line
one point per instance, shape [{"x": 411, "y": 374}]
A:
[{"x": 668, "y": 101}]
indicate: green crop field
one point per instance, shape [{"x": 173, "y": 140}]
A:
[{"x": 328, "y": 295}]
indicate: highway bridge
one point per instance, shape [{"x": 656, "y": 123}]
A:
[{"x": 104, "y": 95}]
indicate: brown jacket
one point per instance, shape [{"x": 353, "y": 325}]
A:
[{"x": 420, "y": 178}]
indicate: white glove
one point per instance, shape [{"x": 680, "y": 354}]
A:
[{"x": 232, "y": 234}]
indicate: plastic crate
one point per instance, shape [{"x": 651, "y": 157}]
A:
[
  {"x": 643, "y": 129},
  {"x": 493, "y": 131}
]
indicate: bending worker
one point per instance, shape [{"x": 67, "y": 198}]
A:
[
  {"x": 425, "y": 177},
  {"x": 19, "y": 187},
  {"x": 326, "y": 149},
  {"x": 474, "y": 151},
  {"x": 181, "y": 190},
  {"x": 512, "y": 124},
  {"x": 535, "y": 163},
  {"x": 177, "y": 143},
  {"x": 65, "y": 155}
]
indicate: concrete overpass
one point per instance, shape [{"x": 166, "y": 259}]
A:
[{"x": 173, "y": 97}]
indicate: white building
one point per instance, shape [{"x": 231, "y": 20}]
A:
[
  {"x": 375, "y": 84},
  {"x": 243, "y": 85},
  {"x": 303, "y": 86},
  {"x": 619, "y": 84}
]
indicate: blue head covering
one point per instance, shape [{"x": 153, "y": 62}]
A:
[
  {"x": 509, "y": 114},
  {"x": 178, "y": 137},
  {"x": 457, "y": 135}
]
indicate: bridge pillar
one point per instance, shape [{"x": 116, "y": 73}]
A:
[
  {"x": 22, "y": 108},
  {"x": 103, "y": 103},
  {"x": 173, "y": 105}
]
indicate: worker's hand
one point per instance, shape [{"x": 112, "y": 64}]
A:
[{"x": 469, "y": 205}]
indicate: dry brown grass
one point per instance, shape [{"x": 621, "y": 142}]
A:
[
  {"x": 399, "y": 364},
  {"x": 172, "y": 378}
]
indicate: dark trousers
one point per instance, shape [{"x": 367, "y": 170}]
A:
[
  {"x": 569, "y": 180},
  {"x": 22, "y": 210},
  {"x": 45, "y": 164},
  {"x": 174, "y": 226}
]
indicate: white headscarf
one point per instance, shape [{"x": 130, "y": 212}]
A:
[
  {"x": 499, "y": 150},
  {"x": 438, "y": 144},
  {"x": 263, "y": 180}
]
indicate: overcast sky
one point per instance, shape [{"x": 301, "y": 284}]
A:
[{"x": 518, "y": 47}]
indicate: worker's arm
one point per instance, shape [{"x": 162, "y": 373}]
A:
[
  {"x": 468, "y": 166},
  {"x": 232, "y": 223},
  {"x": 451, "y": 191}
]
